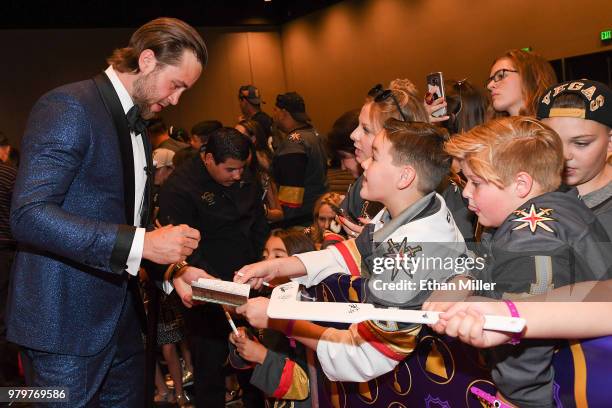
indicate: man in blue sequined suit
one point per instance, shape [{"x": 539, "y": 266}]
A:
[{"x": 79, "y": 205}]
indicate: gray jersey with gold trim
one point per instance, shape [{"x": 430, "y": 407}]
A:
[{"x": 551, "y": 241}]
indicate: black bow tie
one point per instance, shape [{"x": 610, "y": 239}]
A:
[{"x": 135, "y": 122}]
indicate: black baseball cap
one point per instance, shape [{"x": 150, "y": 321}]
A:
[
  {"x": 597, "y": 101},
  {"x": 293, "y": 103},
  {"x": 250, "y": 93}
]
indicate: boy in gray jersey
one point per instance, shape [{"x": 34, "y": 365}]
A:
[{"x": 538, "y": 238}]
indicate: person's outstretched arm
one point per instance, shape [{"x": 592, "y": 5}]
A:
[
  {"x": 576, "y": 311},
  {"x": 307, "y": 268}
]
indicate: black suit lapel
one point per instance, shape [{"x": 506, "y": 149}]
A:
[{"x": 113, "y": 105}]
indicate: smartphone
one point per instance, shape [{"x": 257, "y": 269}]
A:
[
  {"x": 340, "y": 211},
  {"x": 435, "y": 90}
]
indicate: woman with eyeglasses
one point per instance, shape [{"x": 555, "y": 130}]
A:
[
  {"x": 517, "y": 81},
  {"x": 399, "y": 101}
]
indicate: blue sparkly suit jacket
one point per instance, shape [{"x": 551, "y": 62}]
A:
[{"x": 72, "y": 212}]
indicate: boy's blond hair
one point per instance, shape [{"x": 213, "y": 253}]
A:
[{"x": 499, "y": 149}]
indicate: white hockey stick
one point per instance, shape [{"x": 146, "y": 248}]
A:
[{"x": 285, "y": 304}]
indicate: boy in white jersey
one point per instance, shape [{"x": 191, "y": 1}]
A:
[{"x": 407, "y": 165}]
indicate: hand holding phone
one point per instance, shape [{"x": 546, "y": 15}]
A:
[
  {"x": 435, "y": 91},
  {"x": 344, "y": 214},
  {"x": 351, "y": 226}
]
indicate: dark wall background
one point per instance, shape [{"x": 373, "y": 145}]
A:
[
  {"x": 332, "y": 57},
  {"x": 36, "y": 61}
]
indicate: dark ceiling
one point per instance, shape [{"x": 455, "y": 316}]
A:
[{"x": 115, "y": 13}]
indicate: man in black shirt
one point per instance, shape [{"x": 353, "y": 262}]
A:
[
  {"x": 215, "y": 193},
  {"x": 299, "y": 165},
  {"x": 250, "y": 106}
]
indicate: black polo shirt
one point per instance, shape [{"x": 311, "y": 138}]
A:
[{"x": 231, "y": 220}]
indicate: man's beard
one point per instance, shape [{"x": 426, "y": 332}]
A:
[{"x": 142, "y": 92}]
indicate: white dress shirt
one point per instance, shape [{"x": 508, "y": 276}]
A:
[{"x": 140, "y": 176}]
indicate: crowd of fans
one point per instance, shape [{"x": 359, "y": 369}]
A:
[{"x": 520, "y": 145}]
